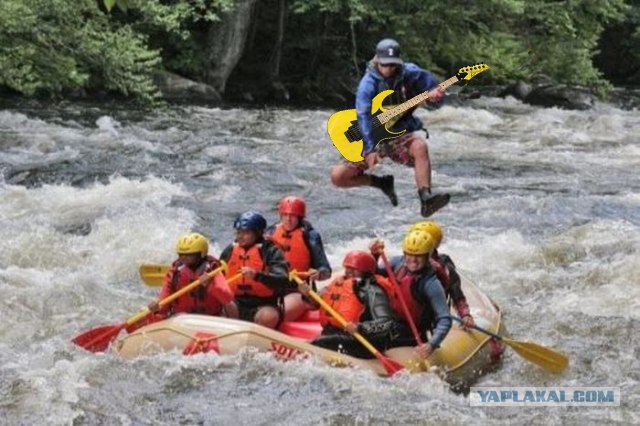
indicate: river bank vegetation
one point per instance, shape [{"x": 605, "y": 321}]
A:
[{"x": 303, "y": 51}]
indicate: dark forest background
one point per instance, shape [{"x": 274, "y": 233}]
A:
[{"x": 304, "y": 51}]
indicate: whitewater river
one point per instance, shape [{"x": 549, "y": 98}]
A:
[{"x": 545, "y": 217}]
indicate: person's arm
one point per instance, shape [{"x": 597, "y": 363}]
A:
[
  {"x": 165, "y": 291},
  {"x": 455, "y": 291},
  {"x": 434, "y": 294},
  {"x": 319, "y": 259},
  {"x": 455, "y": 286},
  {"x": 220, "y": 290},
  {"x": 226, "y": 253},
  {"x": 422, "y": 80},
  {"x": 426, "y": 81},
  {"x": 278, "y": 275},
  {"x": 376, "y": 248},
  {"x": 364, "y": 97},
  {"x": 378, "y": 307}
]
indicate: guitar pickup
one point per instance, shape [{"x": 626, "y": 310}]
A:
[{"x": 353, "y": 132}]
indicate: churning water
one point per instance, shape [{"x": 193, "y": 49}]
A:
[{"x": 545, "y": 217}]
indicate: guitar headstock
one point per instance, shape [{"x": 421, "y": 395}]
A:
[{"x": 467, "y": 73}]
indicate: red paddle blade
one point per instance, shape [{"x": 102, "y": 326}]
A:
[
  {"x": 99, "y": 338},
  {"x": 390, "y": 366}
]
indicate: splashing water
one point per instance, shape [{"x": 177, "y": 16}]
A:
[{"x": 545, "y": 216}]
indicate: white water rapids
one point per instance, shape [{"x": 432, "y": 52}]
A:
[{"x": 545, "y": 217}]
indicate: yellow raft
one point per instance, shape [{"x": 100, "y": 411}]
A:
[{"x": 462, "y": 357}]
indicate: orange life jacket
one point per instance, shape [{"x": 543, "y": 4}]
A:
[
  {"x": 341, "y": 296},
  {"x": 293, "y": 246},
  {"x": 252, "y": 258}
]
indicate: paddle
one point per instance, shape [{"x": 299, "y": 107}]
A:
[
  {"x": 98, "y": 339},
  {"x": 390, "y": 366},
  {"x": 153, "y": 274},
  {"x": 403, "y": 303},
  {"x": 542, "y": 356}
]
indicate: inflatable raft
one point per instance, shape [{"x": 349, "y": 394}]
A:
[{"x": 462, "y": 357}]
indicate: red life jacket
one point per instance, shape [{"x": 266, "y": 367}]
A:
[
  {"x": 405, "y": 281},
  {"x": 199, "y": 301},
  {"x": 252, "y": 258},
  {"x": 442, "y": 272},
  {"x": 341, "y": 296},
  {"x": 293, "y": 246}
]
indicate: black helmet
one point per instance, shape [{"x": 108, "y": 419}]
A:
[{"x": 388, "y": 52}]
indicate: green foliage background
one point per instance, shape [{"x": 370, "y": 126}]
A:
[{"x": 48, "y": 47}]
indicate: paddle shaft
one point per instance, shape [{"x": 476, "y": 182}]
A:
[
  {"x": 98, "y": 339},
  {"x": 153, "y": 274},
  {"x": 485, "y": 331},
  {"x": 140, "y": 315},
  {"x": 403, "y": 303},
  {"x": 542, "y": 356},
  {"x": 343, "y": 322}
]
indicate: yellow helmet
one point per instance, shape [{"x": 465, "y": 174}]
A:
[
  {"x": 432, "y": 228},
  {"x": 193, "y": 243},
  {"x": 417, "y": 243}
]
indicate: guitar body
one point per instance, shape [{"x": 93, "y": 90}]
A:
[{"x": 345, "y": 133}]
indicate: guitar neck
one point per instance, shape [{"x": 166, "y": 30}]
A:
[{"x": 405, "y": 106}]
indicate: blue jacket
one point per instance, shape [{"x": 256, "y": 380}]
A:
[{"x": 409, "y": 81}]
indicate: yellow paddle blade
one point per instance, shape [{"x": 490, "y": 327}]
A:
[
  {"x": 544, "y": 357},
  {"x": 153, "y": 274}
]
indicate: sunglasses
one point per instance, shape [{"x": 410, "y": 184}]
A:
[{"x": 388, "y": 65}]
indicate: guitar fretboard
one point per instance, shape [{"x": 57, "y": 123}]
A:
[{"x": 388, "y": 115}]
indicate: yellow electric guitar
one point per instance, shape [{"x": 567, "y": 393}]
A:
[{"x": 343, "y": 125}]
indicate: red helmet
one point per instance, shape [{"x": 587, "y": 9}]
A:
[
  {"x": 360, "y": 261},
  {"x": 292, "y": 205}
]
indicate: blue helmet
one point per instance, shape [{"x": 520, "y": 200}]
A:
[{"x": 251, "y": 220}]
